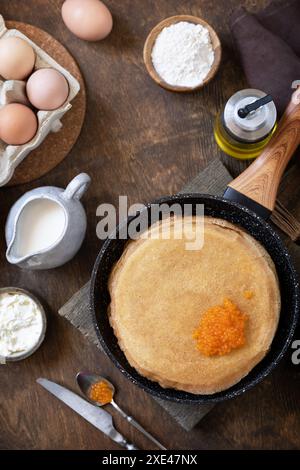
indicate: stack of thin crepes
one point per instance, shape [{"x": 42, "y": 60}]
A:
[{"x": 160, "y": 290}]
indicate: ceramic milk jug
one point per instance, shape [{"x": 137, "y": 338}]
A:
[{"x": 46, "y": 226}]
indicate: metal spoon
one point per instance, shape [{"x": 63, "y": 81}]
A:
[{"x": 85, "y": 380}]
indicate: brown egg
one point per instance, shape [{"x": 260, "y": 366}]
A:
[
  {"x": 18, "y": 124},
  {"x": 47, "y": 89},
  {"x": 90, "y": 20},
  {"x": 17, "y": 58}
]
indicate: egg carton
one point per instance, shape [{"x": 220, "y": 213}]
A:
[{"x": 13, "y": 91}]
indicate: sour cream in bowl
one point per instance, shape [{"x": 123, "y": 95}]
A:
[{"x": 22, "y": 324}]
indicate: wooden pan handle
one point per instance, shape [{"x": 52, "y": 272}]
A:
[{"x": 260, "y": 181}]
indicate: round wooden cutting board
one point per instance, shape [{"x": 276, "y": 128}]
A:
[{"x": 56, "y": 146}]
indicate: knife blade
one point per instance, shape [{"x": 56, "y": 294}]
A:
[{"x": 99, "y": 418}]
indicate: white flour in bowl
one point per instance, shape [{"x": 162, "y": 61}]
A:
[{"x": 183, "y": 55}]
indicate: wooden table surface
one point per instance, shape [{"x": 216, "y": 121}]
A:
[{"x": 141, "y": 141}]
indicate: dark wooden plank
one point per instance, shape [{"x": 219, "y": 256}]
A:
[{"x": 141, "y": 141}]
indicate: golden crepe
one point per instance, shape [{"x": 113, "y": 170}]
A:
[{"x": 159, "y": 290}]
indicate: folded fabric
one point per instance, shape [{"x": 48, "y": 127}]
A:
[
  {"x": 268, "y": 49},
  {"x": 283, "y": 19}
]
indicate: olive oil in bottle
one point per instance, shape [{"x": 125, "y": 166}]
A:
[{"x": 246, "y": 124}]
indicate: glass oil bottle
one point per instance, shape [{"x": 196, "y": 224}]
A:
[{"x": 246, "y": 124}]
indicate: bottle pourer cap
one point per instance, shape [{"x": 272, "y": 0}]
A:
[{"x": 250, "y": 115}]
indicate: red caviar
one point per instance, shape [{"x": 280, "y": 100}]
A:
[
  {"x": 101, "y": 392},
  {"x": 221, "y": 329},
  {"x": 248, "y": 294}
]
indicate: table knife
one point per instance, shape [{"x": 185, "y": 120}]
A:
[{"x": 99, "y": 418}]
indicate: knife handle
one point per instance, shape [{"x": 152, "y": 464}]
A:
[
  {"x": 137, "y": 426},
  {"x": 127, "y": 445}
]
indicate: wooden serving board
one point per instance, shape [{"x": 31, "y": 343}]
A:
[{"x": 56, "y": 146}]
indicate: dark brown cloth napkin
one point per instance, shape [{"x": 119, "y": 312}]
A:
[{"x": 269, "y": 48}]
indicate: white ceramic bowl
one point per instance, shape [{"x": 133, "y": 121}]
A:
[{"x": 24, "y": 355}]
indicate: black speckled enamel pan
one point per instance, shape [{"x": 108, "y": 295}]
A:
[{"x": 248, "y": 202}]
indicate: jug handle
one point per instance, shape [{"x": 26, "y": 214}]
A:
[{"x": 77, "y": 187}]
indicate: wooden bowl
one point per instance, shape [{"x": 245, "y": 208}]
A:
[{"x": 216, "y": 44}]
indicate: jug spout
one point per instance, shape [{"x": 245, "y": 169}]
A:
[
  {"x": 77, "y": 187},
  {"x": 14, "y": 257},
  {"x": 11, "y": 254},
  {"x": 26, "y": 262}
]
